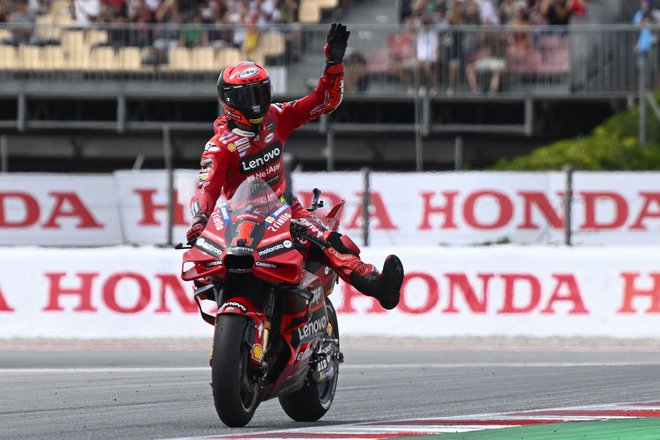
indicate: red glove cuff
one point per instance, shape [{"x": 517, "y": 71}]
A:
[{"x": 334, "y": 69}]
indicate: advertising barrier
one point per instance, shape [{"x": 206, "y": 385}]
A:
[
  {"x": 125, "y": 292},
  {"x": 131, "y": 207}
]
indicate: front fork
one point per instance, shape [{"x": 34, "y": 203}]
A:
[{"x": 260, "y": 310}]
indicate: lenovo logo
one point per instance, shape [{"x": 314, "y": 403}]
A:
[{"x": 261, "y": 159}]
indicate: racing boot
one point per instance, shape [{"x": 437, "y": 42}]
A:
[
  {"x": 343, "y": 255},
  {"x": 384, "y": 286}
]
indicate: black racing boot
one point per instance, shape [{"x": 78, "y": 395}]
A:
[{"x": 385, "y": 286}]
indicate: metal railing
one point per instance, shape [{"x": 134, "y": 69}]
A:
[{"x": 382, "y": 60}]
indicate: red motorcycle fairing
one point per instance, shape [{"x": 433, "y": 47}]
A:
[
  {"x": 241, "y": 305},
  {"x": 303, "y": 324}
]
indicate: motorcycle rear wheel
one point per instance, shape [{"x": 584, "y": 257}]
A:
[
  {"x": 235, "y": 388},
  {"x": 311, "y": 402}
]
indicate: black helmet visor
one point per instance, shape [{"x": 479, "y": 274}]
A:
[{"x": 253, "y": 99}]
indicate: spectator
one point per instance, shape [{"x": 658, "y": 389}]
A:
[
  {"x": 556, "y": 12},
  {"x": 86, "y": 11},
  {"x": 427, "y": 52},
  {"x": 25, "y": 20},
  {"x": 488, "y": 13},
  {"x": 192, "y": 33},
  {"x": 142, "y": 16},
  {"x": 356, "y": 78},
  {"x": 452, "y": 47},
  {"x": 4, "y": 11},
  {"x": 643, "y": 18},
  {"x": 491, "y": 60}
]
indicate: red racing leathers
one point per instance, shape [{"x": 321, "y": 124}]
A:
[{"x": 233, "y": 155}]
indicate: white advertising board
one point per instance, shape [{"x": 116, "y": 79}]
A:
[
  {"x": 142, "y": 199},
  {"x": 479, "y": 207},
  {"x": 53, "y": 209},
  {"x": 129, "y": 207},
  {"x": 547, "y": 291}
]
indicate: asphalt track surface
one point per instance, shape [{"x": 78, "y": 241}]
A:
[{"x": 153, "y": 391}]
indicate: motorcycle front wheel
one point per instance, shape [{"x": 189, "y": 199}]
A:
[
  {"x": 235, "y": 383},
  {"x": 311, "y": 402}
]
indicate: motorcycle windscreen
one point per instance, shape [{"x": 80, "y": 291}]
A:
[
  {"x": 255, "y": 197},
  {"x": 249, "y": 213}
]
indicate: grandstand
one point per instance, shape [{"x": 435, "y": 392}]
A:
[{"x": 100, "y": 91}]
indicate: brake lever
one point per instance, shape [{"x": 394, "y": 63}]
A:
[{"x": 182, "y": 246}]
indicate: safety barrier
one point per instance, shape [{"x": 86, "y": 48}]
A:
[
  {"x": 126, "y": 292},
  {"x": 426, "y": 209}
]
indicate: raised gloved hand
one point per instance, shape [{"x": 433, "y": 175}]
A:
[
  {"x": 196, "y": 228},
  {"x": 336, "y": 43}
]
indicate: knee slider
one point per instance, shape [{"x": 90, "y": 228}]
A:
[{"x": 343, "y": 244}]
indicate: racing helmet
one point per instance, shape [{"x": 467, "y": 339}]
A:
[{"x": 244, "y": 90}]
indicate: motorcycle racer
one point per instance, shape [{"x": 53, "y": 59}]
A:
[{"x": 248, "y": 142}]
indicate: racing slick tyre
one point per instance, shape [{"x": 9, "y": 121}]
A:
[
  {"x": 234, "y": 381},
  {"x": 311, "y": 402}
]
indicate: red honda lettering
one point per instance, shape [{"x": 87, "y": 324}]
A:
[
  {"x": 110, "y": 292},
  {"x": 650, "y": 209},
  {"x": 70, "y": 205},
  {"x": 504, "y": 210},
  {"x": 84, "y": 291},
  {"x": 378, "y": 210},
  {"x": 174, "y": 285},
  {"x": 540, "y": 200},
  {"x": 630, "y": 292},
  {"x": 566, "y": 282},
  {"x": 510, "y": 293},
  {"x": 30, "y": 210},
  {"x": 431, "y": 293},
  {"x": 4, "y": 306},
  {"x": 459, "y": 281},
  {"x": 447, "y": 210},
  {"x": 591, "y": 199},
  {"x": 150, "y": 207}
]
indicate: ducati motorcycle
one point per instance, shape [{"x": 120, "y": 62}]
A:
[{"x": 276, "y": 332}]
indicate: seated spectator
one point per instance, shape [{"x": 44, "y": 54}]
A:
[
  {"x": 21, "y": 16},
  {"x": 491, "y": 60}
]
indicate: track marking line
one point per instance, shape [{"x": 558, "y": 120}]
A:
[
  {"x": 457, "y": 424},
  {"x": 68, "y": 370}
]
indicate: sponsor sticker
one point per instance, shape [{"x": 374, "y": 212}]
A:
[
  {"x": 274, "y": 249},
  {"x": 235, "y": 304},
  {"x": 264, "y": 264},
  {"x": 225, "y": 214},
  {"x": 312, "y": 328},
  {"x": 247, "y": 73},
  {"x": 260, "y": 160},
  {"x": 231, "y": 147},
  {"x": 269, "y": 137},
  {"x": 280, "y": 210},
  {"x": 209, "y": 247}
]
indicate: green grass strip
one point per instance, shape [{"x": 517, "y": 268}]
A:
[{"x": 616, "y": 429}]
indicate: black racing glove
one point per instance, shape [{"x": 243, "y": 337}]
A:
[{"x": 336, "y": 43}]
